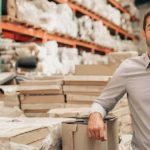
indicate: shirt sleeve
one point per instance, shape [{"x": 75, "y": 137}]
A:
[{"x": 113, "y": 92}]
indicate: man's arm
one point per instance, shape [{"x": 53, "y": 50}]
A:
[{"x": 105, "y": 102}]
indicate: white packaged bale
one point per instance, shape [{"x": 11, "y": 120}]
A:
[
  {"x": 87, "y": 3},
  {"x": 85, "y": 28},
  {"x": 88, "y": 58},
  {"x": 24, "y": 9},
  {"x": 51, "y": 47},
  {"x": 69, "y": 58},
  {"x": 101, "y": 35},
  {"x": 48, "y": 55},
  {"x": 78, "y": 1},
  {"x": 66, "y": 19},
  {"x": 48, "y": 15}
]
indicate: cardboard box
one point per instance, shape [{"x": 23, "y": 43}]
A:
[
  {"x": 75, "y": 136},
  {"x": 69, "y": 112},
  {"x": 100, "y": 69}
]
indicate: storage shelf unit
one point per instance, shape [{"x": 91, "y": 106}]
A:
[
  {"x": 24, "y": 33},
  {"x": 76, "y": 7}
]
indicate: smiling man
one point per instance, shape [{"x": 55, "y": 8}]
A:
[{"x": 132, "y": 77}]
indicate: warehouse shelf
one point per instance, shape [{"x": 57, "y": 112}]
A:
[
  {"x": 24, "y": 32},
  {"x": 122, "y": 9},
  {"x": 76, "y": 7}
]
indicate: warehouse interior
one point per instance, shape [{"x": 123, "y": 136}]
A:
[{"x": 56, "y": 58}]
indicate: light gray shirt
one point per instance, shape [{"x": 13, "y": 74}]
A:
[{"x": 132, "y": 77}]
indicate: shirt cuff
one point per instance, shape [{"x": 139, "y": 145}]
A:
[{"x": 98, "y": 108}]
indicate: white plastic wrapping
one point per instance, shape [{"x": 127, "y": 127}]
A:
[
  {"x": 51, "y": 142},
  {"x": 48, "y": 15},
  {"x": 69, "y": 58}
]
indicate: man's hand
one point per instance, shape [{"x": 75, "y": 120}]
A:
[{"x": 96, "y": 127}]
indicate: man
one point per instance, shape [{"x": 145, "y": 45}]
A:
[{"x": 132, "y": 77}]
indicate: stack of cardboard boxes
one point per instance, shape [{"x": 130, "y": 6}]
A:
[{"x": 83, "y": 90}]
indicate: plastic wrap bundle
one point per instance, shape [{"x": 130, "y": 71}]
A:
[
  {"x": 66, "y": 20},
  {"x": 48, "y": 15},
  {"x": 78, "y": 1},
  {"x": 48, "y": 56},
  {"x": 101, "y": 35},
  {"x": 113, "y": 15},
  {"x": 53, "y": 141},
  {"x": 102, "y": 8},
  {"x": 91, "y": 59},
  {"x": 24, "y": 9},
  {"x": 125, "y": 45},
  {"x": 85, "y": 28},
  {"x": 88, "y": 3},
  {"x": 126, "y": 23},
  {"x": 69, "y": 58},
  {"x": 130, "y": 5}
]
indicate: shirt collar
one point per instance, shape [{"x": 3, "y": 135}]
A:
[{"x": 146, "y": 60}]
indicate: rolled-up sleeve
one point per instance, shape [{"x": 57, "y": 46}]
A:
[{"x": 113, "y": 92}]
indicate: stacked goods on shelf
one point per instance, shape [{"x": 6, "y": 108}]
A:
[
  {"x": 6, "y": 54},
  {"x": 50, "y": 19},
  {"x": 37, "y": 98},
  {"x": 52, "y": 59},
  {"x": 48, "y": 15},
  {"x": 83, "y": 90},
  {"x": 30, "y": 133},
  {"x": 111, "y": 13},
  {"x": 130, "y": 6},
  {"x": 98, "y": 6},
  {"x": 10, "y": 51},
  {"x": 95, "y": 31},
  {"x": 57, "y": 60}
]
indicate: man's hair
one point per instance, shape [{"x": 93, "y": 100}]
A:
[{"x": 145, "y": 19}]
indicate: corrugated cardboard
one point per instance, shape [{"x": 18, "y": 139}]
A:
[
  {"x": 69, "y": 112},
  {"x": 75, "y": 136},
  {"x": 100, "y": 69}
]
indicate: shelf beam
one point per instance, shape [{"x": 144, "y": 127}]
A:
[{"x": 19, "y": 31}]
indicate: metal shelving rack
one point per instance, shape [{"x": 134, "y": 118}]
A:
[{"x": 21, "y": 31}]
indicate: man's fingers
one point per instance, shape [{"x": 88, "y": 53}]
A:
[
  {"x": 97, "y": 133},
  {"x": 89, "y": 134},
  {"x": 105, "y": 133}
]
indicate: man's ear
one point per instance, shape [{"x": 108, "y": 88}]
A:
[{"x": 143, "y": 34}]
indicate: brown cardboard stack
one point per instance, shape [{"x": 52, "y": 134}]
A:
[
  {"x": 37, "y": 100},
  {"x": 75, "y": 137},
  {"x": 100, "y": 69},
  {"x": 31, "y": 131},
  {"x": 69, "y": 112},
  {"x": 83, "y": 90},
  {"x": 9, "y": 95}
]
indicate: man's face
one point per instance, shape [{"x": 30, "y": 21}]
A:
[{"x": 147, "y": 32}]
